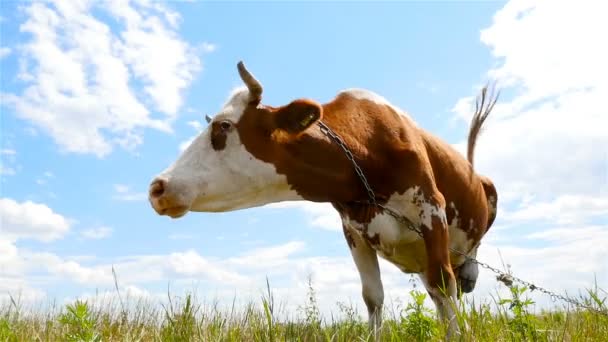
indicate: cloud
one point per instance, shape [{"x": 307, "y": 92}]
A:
[
  {"x": 8, "y": 152},
  {"x": 319, "y": 215},
  {"x": 45, "y": 178},
  {"x": 97, "y": 233},
  {"x": 545, "y": 146},
  {"x": 29, "y": 220},
  {"x": 80, "y": 73},
  {"x": 4, "y": 51},
  {"x": 208, "y": 47},
  {"x": 563, "y": 209},
  {"x": 7, "y": 162},
  {"x": 567, "y": 259},
  {"x": 125, "y": 193},
  {"x": 7, "y": 171},
  {"x": 198, "y": 127},
  {"x": 184, "y": 144},
  {"x": 268, "y": 257},
  {"x": 548, "y": 137}
]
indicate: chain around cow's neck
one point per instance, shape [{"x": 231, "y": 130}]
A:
[{"x": 370, "y": 192}]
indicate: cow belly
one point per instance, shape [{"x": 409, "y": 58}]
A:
[
  {"x": 403, "y": 247},
  {"x": 393, "y": 242},
  {"x": 408, "y": 257}
]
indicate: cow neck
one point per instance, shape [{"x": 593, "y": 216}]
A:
[
  {"x": 337, "y": 140},
  {"x": 359, "y": 210}
]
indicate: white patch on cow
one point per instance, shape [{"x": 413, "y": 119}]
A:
[
  {"x": 364, "y": 94},
  {"x": 459, "y": 239},
  {"x": 460, "y": 242},
  {"x": 360, "y": 227},
  {"x": 204, "y": 179},
  {"x": 469, "y": 269},
  {"x": 428, "y": 211},
  {"x": 398, "y": 243},
  {"x": 390, "y": 231},
  {"x": 235, "y": 106}
]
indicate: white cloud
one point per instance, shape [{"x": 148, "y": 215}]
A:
[
  {"x": 197, "y": 125},
  {"x": 567, "y": 259},
  {"x": 45, "y": 178},
  {"x": 190, "y": 263},
  {"x": 320, "y": 215},
  {"x": 208, "y": 47},
  {"x": 545, "y": 145},
  {"x": 8, "y": 152},
  {"x": 184, "y": 144},
  {"x": 29, "y": 220},
  {"x": 563, "y": 209},
  {"x": 268, "y": 257},
  {"x": 79, "y": 73},
  {"x": 97, "y": 233},
  {"x": 125, "y": 193},
  {"x": 4, "y": 51},
  {"x": 549, "y": 138},
  {"x": 7, "y": 171},
  {"x": 7, "y": 163}
]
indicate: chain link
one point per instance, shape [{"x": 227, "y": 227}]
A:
[
  {"x": 333, "y": 136},
  {"x": 505, "y": 278}
]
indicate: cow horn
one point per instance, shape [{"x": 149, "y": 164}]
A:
[{"x": 254, "y": 86}]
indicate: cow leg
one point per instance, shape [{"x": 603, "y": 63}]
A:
[
  {"x": 366, "y": 261},
  {"x": 439, "y": 278}
]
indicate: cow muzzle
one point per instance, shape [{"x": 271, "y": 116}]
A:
[{"x": 166, "y": 200}]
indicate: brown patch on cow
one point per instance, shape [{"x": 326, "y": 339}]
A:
[
  {"x": 218, "y": 136},
  {"x": 439, "y": 270},
  {"x": 362, "y": 213},
  {"x": 298, "y": 116},
  {"x": 492, "y": 199},
  {"x": 374, "y": 240},
  {"x": 450, "y": 214},
  {"x": 394, "y": 154},
  {"x": 349, "y": 237}
]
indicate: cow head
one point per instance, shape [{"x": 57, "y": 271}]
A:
[{"x": 235, "y": 162}]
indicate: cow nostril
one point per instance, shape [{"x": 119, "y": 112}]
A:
[{"x": 157, "y": 188}]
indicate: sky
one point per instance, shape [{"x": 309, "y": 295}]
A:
[{"x": 98, "y": 97}]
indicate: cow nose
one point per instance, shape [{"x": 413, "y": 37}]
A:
[{"x": 157, "y": 188}]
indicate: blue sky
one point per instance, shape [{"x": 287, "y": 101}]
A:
[{"x": 97, "y": 99}]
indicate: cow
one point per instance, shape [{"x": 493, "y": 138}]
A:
[{"x": 253, "y": 154}]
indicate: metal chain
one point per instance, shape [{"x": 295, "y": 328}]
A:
[
  {"x": 505, "y": 278},
  {"x": 333, "y": 136}
]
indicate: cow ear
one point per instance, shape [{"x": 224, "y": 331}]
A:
[{"x": 297, "y": 116}]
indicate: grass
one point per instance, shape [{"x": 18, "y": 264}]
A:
[{"x": 186, "y": 319}]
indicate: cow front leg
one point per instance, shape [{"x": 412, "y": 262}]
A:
[
  {"x": 439, "y": 277},
  {"x": 366, "y": 261}
]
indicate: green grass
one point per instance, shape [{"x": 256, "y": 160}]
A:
[{"x": 187, "y": 319}]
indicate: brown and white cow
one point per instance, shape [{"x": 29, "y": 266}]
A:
[{"x": 253, "y": 154}]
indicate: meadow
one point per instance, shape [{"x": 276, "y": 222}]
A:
[{"x": 185, "y": 318}]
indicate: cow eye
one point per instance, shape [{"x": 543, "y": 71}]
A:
[{"x": 226, "y": 126}]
